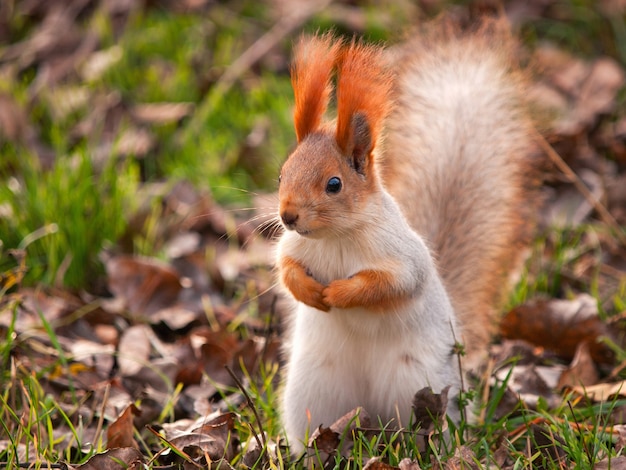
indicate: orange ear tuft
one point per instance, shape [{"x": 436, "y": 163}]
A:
[
  {"x": 310, "y": 77},
  {"x": 364, "y": 86}
]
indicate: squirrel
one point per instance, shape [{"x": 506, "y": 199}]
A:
[{"x": 404, "y": 217}]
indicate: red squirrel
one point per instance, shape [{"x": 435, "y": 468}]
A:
[{"x": 403, "y": 217}]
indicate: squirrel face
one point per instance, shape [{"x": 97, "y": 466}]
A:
[{"x": 323, "y": 193}]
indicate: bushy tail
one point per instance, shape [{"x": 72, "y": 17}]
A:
[{"x": 460, "y": 153}]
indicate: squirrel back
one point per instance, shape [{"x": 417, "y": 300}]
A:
[{"x": 460, "y": 160}]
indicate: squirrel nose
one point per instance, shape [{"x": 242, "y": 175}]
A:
[{"x": 289, "y": 218}]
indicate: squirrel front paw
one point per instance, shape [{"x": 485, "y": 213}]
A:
[
  {"x": 302, "y": 285},
  {"x": 369, "y": 288},
  {"x": 339, "y": 294},
  {"x": 309, "y": 292},
  {"x": 314, "y": 298}
]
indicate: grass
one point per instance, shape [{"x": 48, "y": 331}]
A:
[
  {"x": 76, "y": 209},
  {"x": 573, "y": 432},
  {"x": 60, "y": 215},
  {"x": 64, "y": 216}
]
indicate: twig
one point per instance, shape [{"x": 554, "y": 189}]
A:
[
  {"x": 105, "y": 399},
  {"x": 602, "y": 211},
  {"x": 252, "y": 55},
  {"x": 263, "y": 442}
]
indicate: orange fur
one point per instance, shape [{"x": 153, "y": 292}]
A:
[
  {"x": 302, "y": 286},
  {"x": 310, "y": 77},
  {"x": 410, "y": 252},
  {"x": 364, "y": 85},
  {"x": 373, "y": 288}
]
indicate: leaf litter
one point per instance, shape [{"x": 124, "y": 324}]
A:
[{"x": 206, "y": 316}]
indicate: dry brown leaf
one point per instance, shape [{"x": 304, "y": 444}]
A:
[
  {"x": 94, "y": 354},
  {"x": 161, "y": 113},
  {"x": 542, "y": 441},
  {"x": 325, "y": 441},
  {"x": 339, "y": 437},
  {"x": 221, "y": 429},
  {"x": 120, "y": 433},
  {"x": 530, "y": 382},
  {"x": 127, "y": 458},
  {"x": 182, "y": 244},
  {"x": 376, "y": 464},
  {"x": 598, "y": 91},
  {"x": 177, "y": 318},
  {"x": 133, "y": 350},
  {"x": 135, "y": 143},
  {"x": 587, "y": 89},
  {"x": 408, "y": 464},
  {"x": 618, "y": 430},
  {"x": 611, "y": 463},
  {"x": 159, "y": 374},
  {"x": 213, "y": 438},
  {"x": 146, "y": 285},
  {"x": 463, "y": 459},
  {"x": 429, "y": 409},
  {"x": 581, "y": 371},
  {"x": 560, "y": 326},
  {"x": 602, "y": 392},
  {"x": 568, "y": 207},
  {"x": 260, "y": 455},
  {"x": 99, "y": 62}
]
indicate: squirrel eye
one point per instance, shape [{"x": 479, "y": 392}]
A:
[{"x": 333, "y": 186}]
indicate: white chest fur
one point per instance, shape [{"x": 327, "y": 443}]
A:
[{"x": 356, "y": 357}]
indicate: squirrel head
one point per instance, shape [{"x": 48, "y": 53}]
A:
[{"x": 327, "y": 183}]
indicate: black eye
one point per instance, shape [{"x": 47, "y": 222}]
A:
[{"x": 333, "y": 186}]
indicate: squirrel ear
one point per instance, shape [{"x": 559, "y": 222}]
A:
[
  {"x": 364, "y": 87},
  {"x": 311, "y": 72},
  {"x": 360, "y": 146}
]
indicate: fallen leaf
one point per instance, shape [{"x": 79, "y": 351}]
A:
[
  {"x": 602, "y": 392},
  {"x": 375, "y": 463},
  {"x": 598, "y": 91},
  {"x": 560, "y": 326},
  {"x": 463, "y": 459},
  {"x": 146, "y": 285},
  {"x": 569, "y": 208},
  {"x": 258, "y": 455},
  {"x": 550, "y": 448},
  {"x": 619, "y": 430},
  {"x": 127, "y": 458},
  {"x": 135, "y": 142},
  {"x": 161, "y": 113},
  {"x": 588, "y": 89},
  {"x": 429, "y": 409},
  {"x": 100, "y": 61},
  {"x": 408, "y": 464},
  {"x": 339, "y": 437},
  {"x": 176, "y": 318},
  {"x": 133, "y": 350},
  {"x": 611, "y": 463},
  {"x": 581, "y": 371},
  {"x": 531, "y": 382},
  {"x": 220, "y": 426},
  {"x": 213, "y": 438},
  {"x": 159, "y": 374},
  {"x": 120, "y": 433}
]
